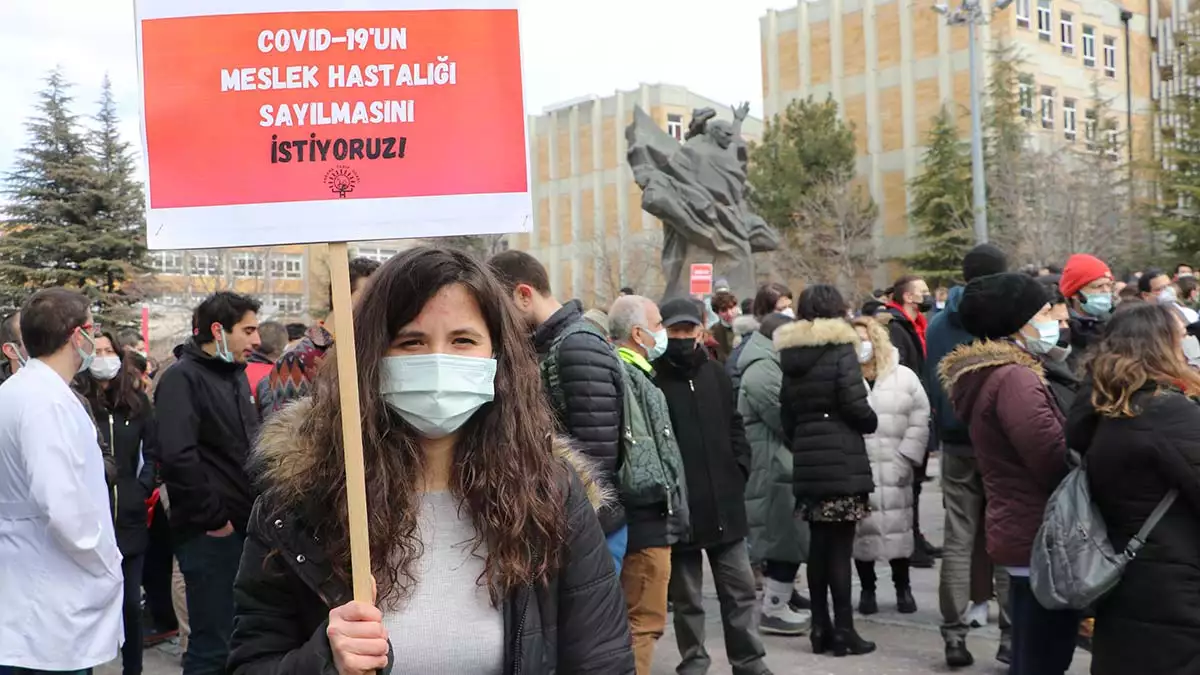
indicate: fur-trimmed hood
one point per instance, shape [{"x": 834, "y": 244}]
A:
[
  {"x": 745, "y": 324},
  {"x": 817, "y": 333},
  {"x": 964, "y": 370},
  {"x": 885, "y": 355},
  {"x": 284, "y": 461}
]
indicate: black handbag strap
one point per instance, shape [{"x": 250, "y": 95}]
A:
[{"x": 1139, "y": 540}]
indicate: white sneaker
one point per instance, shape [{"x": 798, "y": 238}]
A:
[
  {"x": 977, "y": 615},
  {"x": 779, "y": 619}
]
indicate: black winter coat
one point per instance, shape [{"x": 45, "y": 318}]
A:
[
  {"x": 127, "y": 438},
  {"x": 712, "y": 442},
  {"x": 825, "y": 409},
  {"x": 590, "y": 375},
  {"x": 904, "y": 337},
  {"x": 575, "y": 624},
  {"x": 206, "y": 424},
  {"x": 1150, "y": 623},
  {"x": 1063, "y": 383}
]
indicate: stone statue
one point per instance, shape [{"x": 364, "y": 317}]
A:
[{"x": 698, "y": 190}]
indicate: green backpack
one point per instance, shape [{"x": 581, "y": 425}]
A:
[{"x": 642, "y": 477}]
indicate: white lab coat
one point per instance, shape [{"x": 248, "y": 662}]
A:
[{"x": 60, "y": 569}]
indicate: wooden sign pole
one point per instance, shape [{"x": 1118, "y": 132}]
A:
[{"x": 352, "y": 442}]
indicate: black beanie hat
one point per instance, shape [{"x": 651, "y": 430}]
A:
[
  {"x": 983, "y": 260},
  {"x": 998, "y": 305}
]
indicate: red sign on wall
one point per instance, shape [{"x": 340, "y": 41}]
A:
[{"x": 701, "y": 279}]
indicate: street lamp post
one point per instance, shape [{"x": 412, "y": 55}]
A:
[{"x": 970, "y": 12}]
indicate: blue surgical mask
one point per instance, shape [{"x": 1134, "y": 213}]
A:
[
  {"x": 660, "y": 345},
  {"x": 86, "y": 356},
  {"x": 223, "y": 352},
  {"x": 437, "y": 393},
  {"x": 1097, "y": 304},
  {"x": 1047, "y": 339}
]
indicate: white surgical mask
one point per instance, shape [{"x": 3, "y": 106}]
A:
[
  {"x": 22, "y": 358},
  {"x": 789, "y": 313},
  {"x": 86, "y": 356},
  {"x": 865, "y": 351},
  {"x": 437, "y": 393},
  {"x": 660, "y": 344},
  {"x": 223, "y": 352},
  {"x": 105, "y": 368},
  {"x": 1167, "y": 296},
  {"x": 1047, "y": 339}
]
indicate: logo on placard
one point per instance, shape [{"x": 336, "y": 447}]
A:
[{"x": 341, "y": 180}]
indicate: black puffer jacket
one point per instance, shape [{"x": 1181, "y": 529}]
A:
[
  {"x": 1150, "y": 623},
  {"x": 590, "y": 375},
  {"x": 825, "y": 409},
  {"x": 575, "y": 624},
  {"x": 206, "y": 423},
  {"x": 712, "y": 442}
]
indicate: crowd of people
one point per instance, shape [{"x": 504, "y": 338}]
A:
[{"x": 544, "y": 483}]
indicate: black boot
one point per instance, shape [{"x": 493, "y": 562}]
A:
[
  {"x": 868, "y": 604},
  {"x": 799, "y": 602},
  {"x": 821, "y": 632},
  {"x": 847, "y": 641},
  {"x": 905, "y": 602},
  {"x": 957, "y": 655}
]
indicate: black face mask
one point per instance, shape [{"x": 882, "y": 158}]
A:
[
  {"x": 680, "y": 350},
  {"x": 925, "y": 305}
]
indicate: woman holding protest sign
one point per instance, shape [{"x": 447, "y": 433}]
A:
[{"x": 485, "y": 549}]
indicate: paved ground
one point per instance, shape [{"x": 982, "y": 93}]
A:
[{"x": 908, "y": 645}]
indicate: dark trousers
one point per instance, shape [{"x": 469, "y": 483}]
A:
[
  {"x": 209, "y": 566},
  {"x": 783, "y": 572},
  {"x": 900, "y": 573},
  {"x": 131, "y": 610},
  {"x": 829, "y": 572},
  {"x": 156, "y": 574},
  {"x": 734, "y": 580},
  {"x": 1043, "y": 640}
]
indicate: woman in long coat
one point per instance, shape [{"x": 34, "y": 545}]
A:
[{"x": 896, "y": 449}]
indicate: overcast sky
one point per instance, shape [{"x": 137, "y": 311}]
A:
[{"x": 709, "y": 46}]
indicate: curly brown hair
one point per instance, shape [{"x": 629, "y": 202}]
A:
[
  {"x": 503, "y": 470},
  {"x": 1140, "y": 348}
]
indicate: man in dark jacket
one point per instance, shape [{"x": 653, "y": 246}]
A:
[
  {"x": 910, "y": 303},
  {"x": 207, "y": 423},
  {"x": 962, "y": 486},
  {"x": 725, "y": 305},
  {"x": 587, "y": 393},
  {"x": 716, "y": 460},
  {"x": 1087, "y": 284}
]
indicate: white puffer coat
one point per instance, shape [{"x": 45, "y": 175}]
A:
[{"x": 896, "y": 447}]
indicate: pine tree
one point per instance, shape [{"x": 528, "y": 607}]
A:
[
  {"x": 1006, "y": 136},
  {"x": 71, "y": 217},
  {"x": 1180, "y": 182},
  {"x": 941, "y": 207},
  {"x": 802, "y": 149}
]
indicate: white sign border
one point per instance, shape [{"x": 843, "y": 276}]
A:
[{"x": 276, "y": 223}]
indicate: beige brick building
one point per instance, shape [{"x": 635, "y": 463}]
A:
[
  {"x": 892, "y": 64},
  {"x": 589, "y": 228}
]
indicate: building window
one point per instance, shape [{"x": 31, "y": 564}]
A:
[
  {"x": 1110, "y": 56},
  {"x": 1047, "y": 108},
  {"x": 675, "y": 126},
  {"x": 167, "y": 262},
  {"x": 288, "y": 304},
  {"x": 381, "y": 255},
  {"x": 1066, "y": 36},
  {"x": 246, "y": 265},
  {"x": 287, "y": 267},
  {"x": 1044, "y": 20},
  {"x": 1089, "y": 46},
  {"x": 205, "y": 264},
  {"x": 1089, "y": 129},
  {"x": 1023, "y": 13},
  {"x": 1113, "y": 140},
  {"x": 1025, "y": 95},
  {"x": 1069, "y": 119}
]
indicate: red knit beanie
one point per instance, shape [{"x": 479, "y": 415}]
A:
[{"x": 1081, "y": 270}]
